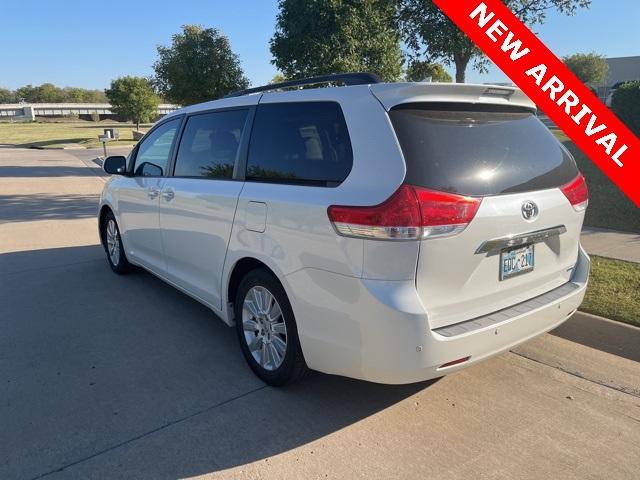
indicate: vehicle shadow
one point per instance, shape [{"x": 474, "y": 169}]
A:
[
  {"x": 123, "y": 376},
  {"x": 35, "y": 206},
  {"x": 611, "y": 337},
  {"x": 44, "y": 171}
]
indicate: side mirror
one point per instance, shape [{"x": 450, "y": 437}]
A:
[
  {"x": 116, "y": 165},
  {"x": 148, "y": 169}
]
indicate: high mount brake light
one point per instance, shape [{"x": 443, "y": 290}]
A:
[
  {"x": 577, "y": 193},
  {"x": 411, "y": 213}
]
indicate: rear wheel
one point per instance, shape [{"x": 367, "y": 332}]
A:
[
  {"x": 113, "y": 245},
  {"x": 267, "y": 329}
]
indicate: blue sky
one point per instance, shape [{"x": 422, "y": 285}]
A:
[{"x": 86, "y": 44}]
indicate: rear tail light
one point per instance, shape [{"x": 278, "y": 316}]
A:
[
  {"x": 577, "y": 193},
  {"x": 411, "y": 213}
]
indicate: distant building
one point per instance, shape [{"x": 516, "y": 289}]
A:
[
  {"x": 623, "y": 69},
  {"x": 85, "y": 111}
]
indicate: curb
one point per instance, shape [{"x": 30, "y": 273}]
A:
[
  {"x": 591, "y": 316},
  {"x": 602, "y": 334}
]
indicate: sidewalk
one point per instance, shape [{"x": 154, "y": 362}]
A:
[{"x": 611, "y": 244}]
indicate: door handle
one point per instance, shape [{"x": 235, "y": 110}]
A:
[
  {"x": 168, "y": 194},
  {"x": 153, "y": 192}
]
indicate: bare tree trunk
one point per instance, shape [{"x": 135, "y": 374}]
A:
[{"x": 461, "y": 62}]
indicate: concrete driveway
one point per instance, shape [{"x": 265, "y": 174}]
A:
[{"x": 124, "y": 377}]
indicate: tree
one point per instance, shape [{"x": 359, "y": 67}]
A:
[
  {"x": 419, "y": 70},
  {"x": 320, "y": 37},
  {"x": 626, "y": 105},
  {"x": 133, "y": 98},
  {"x": 428, "y": 31},
  {"x": 591, "y": 68},
  {"x": 278, "y": 78},
  {"x": 7, "y": 96},
  {"x": 45, "y": 93},
  {"x": 197, "y": 67}
]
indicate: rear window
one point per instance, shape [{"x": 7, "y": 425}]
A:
[
  {"x": 303, "y": 143},
  {"x": 479, "y": 150}
]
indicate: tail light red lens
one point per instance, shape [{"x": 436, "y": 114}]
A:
[
  {"x": 577, "y": 193},
  {"x": 411, "y": 213}
]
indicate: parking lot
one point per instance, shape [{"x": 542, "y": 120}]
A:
[{"x": 125, "y": 377}]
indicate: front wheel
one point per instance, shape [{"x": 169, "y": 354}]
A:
[
  {"x": 267, "y": 329},
  {"x": 112, "y": 243}
]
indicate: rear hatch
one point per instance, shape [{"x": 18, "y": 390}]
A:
[{"x": 504, "y": 155}]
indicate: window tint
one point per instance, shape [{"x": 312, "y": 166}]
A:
[
  {"x": 469, "y": 150},
  {"x": 210, "y": 144},
  {"x": 154, "y": 151},
  {"x": 303, "y": 143}
]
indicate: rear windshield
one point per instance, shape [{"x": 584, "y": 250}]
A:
[{"x": 479, "y": 149}]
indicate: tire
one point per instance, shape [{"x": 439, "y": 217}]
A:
[
  {"x": 112, "y": 243},
  {"x": 267, "y": 329}
]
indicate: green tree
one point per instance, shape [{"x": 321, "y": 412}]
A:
[
  {"x": 49, "y": 93},
  {"x": 319, "y": 37},
  {"x": 75, "y": 95},
  {"x": 626, "y": 105},
  {"x": 198, "y": 66},
  {"x": 26, "y": 93},
  {"x": 278, "y": 78},
  {"x": 7, "y": 96},
  {"x": 591, "y": 68},
  {"x": 428, "y": 31},
  {"x": 419, "y": 70},
  {"x": 45, "y": 93},
  {"x": 133, "y": 98}
]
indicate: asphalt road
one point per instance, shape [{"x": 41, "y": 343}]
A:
[{"x": 124, "y": 377}]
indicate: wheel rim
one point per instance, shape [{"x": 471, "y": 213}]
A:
[
  {"x": 264, "y": 328},
  {"x": 113, "y": 242}
]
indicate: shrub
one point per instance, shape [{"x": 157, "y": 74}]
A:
[{"x": 626, "y": 105}]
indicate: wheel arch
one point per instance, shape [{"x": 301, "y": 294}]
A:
[
  {"x": 104, "y": 210},
  {"x": 239, "y": 270}
]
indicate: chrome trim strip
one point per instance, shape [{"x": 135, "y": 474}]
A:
[{"x": 509, "y": 241}]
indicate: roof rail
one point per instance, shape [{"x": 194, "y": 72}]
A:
[{"x": 356, "y": 78}]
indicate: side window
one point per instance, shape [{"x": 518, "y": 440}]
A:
[
  {"x": 154, "y": 151},
  {"x": 302, "y": 143},
  {"x": 209, "y": 144}
]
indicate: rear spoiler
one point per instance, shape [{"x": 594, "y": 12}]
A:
[{"x": 392, "y": 94}]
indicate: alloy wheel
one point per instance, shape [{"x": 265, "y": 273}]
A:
[
  {"x": 113, "y": 242},
  {"x": 264, "y": 328}
]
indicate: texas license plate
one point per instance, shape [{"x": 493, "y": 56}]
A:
[{"x": 516, "y": 261}]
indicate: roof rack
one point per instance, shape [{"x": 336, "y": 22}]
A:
[{"x": 356, "y": 78}]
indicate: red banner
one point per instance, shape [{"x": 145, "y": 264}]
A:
[{"x": 550, "y": 84}]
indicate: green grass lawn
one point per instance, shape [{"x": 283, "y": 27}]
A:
[
  {"x": 57, "y": 135},
  {"x": 614, "y": 290},
  {"x": 608, "y": 206}
]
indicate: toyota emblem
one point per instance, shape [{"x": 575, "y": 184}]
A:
[{"x": 529, "y": 210}]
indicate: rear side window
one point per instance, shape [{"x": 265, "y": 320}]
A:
[
  {"x": 209, "y": 144},
  {"x": 303, "y": 143},
  {"x": 479, "y": 150}
]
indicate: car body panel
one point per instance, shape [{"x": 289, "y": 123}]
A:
[{"x": 196, "y": 225}]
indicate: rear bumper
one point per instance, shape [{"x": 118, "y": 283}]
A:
[{"x": 379, "y": 330}]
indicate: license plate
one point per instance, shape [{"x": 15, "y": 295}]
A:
[{"x": 516, "y": 261}]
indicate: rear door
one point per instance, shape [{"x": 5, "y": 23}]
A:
[
  {"x": 198, "y": 203},
  {"x": 506, "y": 156}
]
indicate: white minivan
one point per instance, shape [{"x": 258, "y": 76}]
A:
[{"x": 392, "y": 232}]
